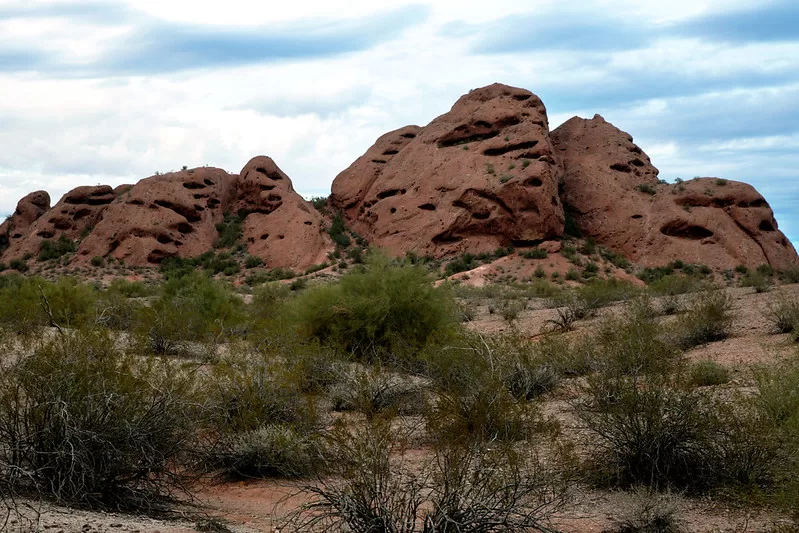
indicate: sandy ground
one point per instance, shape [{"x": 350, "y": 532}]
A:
[{"x": 254, "y": 506}]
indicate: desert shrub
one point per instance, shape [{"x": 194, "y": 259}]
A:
[
  {"x": 97, "y": 261},
  {"x": 252, "y": 261},
  {"x": 191, "y": 308},
  {"x": 84, "y": 423},
  {"x": 19, "y": 265},
  {"x": 634, "y": 343},
  {"x": 462, "y": 263},
  {"x": 20, "y": 304},
  {"x": 649, "y": 512},
  {"x": 273, "y": 450},
  {"x": 790, "y": 275},
  {"x": 675, "y": 284},
  {"x": 646, "y": 188},
  {"x": 470, "y": 488},
  {"x": 71, "y": 303},
  {"x": 655, "y": 432},
  {"x": 535, "y": 253},
  {"x": 709, "y": 319},
  {"x": 230, "y": 231},
  {"x": 260, "y": 276},
  {"x": 599, "y": 293},
  {"x": 374, "y": 391},
  {"x": 49, "y": 249},
  {"x": 510, "y": 311},
  {"x": 380, "y": 310},
  {"x": 783, "y": 313},
  {"x": 706, "y": 373},
  {"x": 758, "y": 281},
  {"x": 267, "y": 299},
  {"x": 248, "y": 393},
  {"x": 338, "y": 231}
]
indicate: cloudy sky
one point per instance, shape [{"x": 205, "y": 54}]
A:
[{"x": 113, "y": 91}]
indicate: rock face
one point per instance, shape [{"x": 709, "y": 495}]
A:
[
  {"x": 162, "y": 216},
  {"x": 28, "y": 210},
  {"x": 175, "y": 214},
  {"x": 611, "y": 189},
  {"x": 281, "y": 226},
  {"x": 481, "y": 176}
]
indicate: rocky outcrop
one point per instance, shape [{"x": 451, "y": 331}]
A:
[
  {"x": 176, "y": 214},
  {"x": 162, "y": 216},
  {"x": 610, "y": 188},
  {"x": 481, "y": 176},
  {"x": 73, "y": 217},
  {"x": 280, "y": 227},
  {"x": 28, "y": 210}
]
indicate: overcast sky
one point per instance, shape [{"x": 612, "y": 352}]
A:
[{"x": 113, "y": 91}]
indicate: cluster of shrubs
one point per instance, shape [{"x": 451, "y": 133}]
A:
[{"x": 101, "y": 412}]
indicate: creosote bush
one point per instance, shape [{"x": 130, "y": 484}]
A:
[
  {"x": 83, "y": 423},
  {"x": 379, "y": 311},
  {"x": 708, "y": 319}
]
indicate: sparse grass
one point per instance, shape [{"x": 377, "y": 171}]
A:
[
  {"x": 535, "y": 253},
  {"x": 646, "y": 188},
  {"x": 708, "y": 319},
  {"x": 783, "y": 313}
]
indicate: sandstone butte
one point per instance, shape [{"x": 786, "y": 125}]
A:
[{"x": 487, "y": 174}]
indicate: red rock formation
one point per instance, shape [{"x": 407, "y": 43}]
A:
[
  {"x": 611, "y": 189},
  {"x": 162, "y": 216},
  {"x": 478, "y": 177},
  {"x": 74, "y": 216},
  {"x": 28, "y": 210},
  {"x": 281, "y": 227}
]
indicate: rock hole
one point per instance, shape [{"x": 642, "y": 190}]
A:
[
  {"x": 482, "y": 124},
  {"x": 388, "y": 193},
  {"x": 194, "y": 185},
  {"x": 533, "y": 182},
  {"x": 281, "y": 236},
  {"x": 184, "y": 228},
  {"x": 208, "y": 182},
  {"x": 264, "y": 236},
  {"x": 81, "y": 213},
  {"x": 266, "y": 187},
  {"x": 555, "y": 200},
  {"x": 446, "y": 238},
  {"x": 379, "y": 161},
  {"x": 409, "y": 135},
  {"x": 481, "y": 215},
  {"x": 637, "y": 163},
  {"x": 510, "y": 148},
  {"x": 45, "y": 234},
  {"x": 636, "y": 217},
  {"x": 521, "y": 97},
  {"x": 164, "y": 239},
  {"x": 213, "y": 202},
  {"x": 391, "y": 151},
  {"x": 621, "y": 167},
  {"x": 136, "y": 202},
  {"x": 760, "y": 202},
  {"x": 427, "y": 207},
  {"x": 393, "y": 210},
  {"x": 766, "y": 225},
  {"x": 685, "y": 230},
  {"x": 308, "y": 223}
]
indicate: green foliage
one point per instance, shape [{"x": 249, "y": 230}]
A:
[
  {"x": 760, "y": 282},
  {"x": 192, "y": 308},
  {"x": 89, "y": 425},
  {"x": 319, "y": 203},
  {"x": 212, "y": 262},
  {"x": 338, "y": 231},
  {"x": 790, "y": 275},
  {"x": 462, "y": 263},
  {"x": 783, "y": 313},
  {"x": 49, "y": 249},
  {"x": 708, "y": 319},
  {"x": 253, "y": 261},
  {"x": 230, "y": 230},
  {"x": 535, "y": 253},
  {"x": 19, "y": 265},
  {"x": 707, "y": 373},
  {"x": 617, "y": 260},
  {"x": 377, "y": 392},
  {"x": 97, "y": 261},
  {"x": 265, "y": 276},
  {"x": 379, "y": 310},
  {"x": 646, "y": 188}
]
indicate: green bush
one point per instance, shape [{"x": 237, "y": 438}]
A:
[
  {"x": 374, "y": 392},
  {"x": 380, "y": 310},
  {"x": 83, "y": 423},
  {"x": 635, "y": 344},
  {"x": 97, "y": 261},
  {"x": 761, "y": 283},
  {"x": 338, "y": 231},
  {"x": 707, "y": 373},
  {"x": 19, "y": 265},
  {"x": 230, "y": 231},
  {"x": 709, "y": 319},
  {"x": 646, "y": 188},
  {"x": 462, "y": 263},
  {"x": 274, "y": 450},
  {"x": 253, "y": 261},
  {"x": 535, "y": 253},
  {"x": 783, "y": 313},
  {"x": 49, "y": 249}
]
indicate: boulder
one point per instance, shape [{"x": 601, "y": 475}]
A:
[
  {"x": 481, "y": 176},
  {"x": 28, "y": 210}
]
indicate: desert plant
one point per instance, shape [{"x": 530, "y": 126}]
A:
[
  {"x": 230, "y": 231},
  {"x": 470, "y": 489},
  {"x": 380, "y": 310},
  {"x": 84, "y": 423},
  {"x": 758, "y": 281},
  {"x": 647, "y": 511},
  {"x": 374, "y": 391},
  {"x": 49, "y": 249},
  {"x": 783, "y": 313},
  {"x": 707, "y": 373},
  {"x": 708, "y": 319},
  {"x": 535, "y": 253}
]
